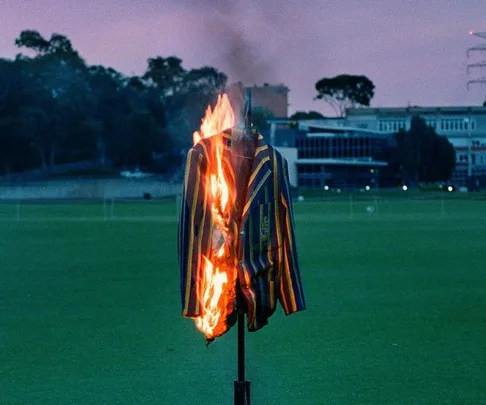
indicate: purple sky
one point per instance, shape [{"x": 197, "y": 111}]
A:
[{"x": 414, "y": 51}]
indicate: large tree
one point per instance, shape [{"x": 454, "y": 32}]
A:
[
  {"x": 185, "y": 94},
  {"x": 55, "y": 79},
  {"x": 421, "y": 155},
  {"x": 345, "y": 91}
]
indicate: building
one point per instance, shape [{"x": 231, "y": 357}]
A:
[
  {"x": 351, "y": 152},
  {"x": 465, "y": 127},
  {"x": 273, "y": 98},
  {"x": 329, "y": 153}
]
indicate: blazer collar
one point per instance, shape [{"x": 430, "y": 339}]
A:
[{"x": 260, "y": 171}]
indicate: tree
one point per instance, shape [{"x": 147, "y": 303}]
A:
[
  {"x": 345, "y": 91},
  {"x": 484, "y": 104},
  {"x": 15, "y": 151},
  {"x": 304, "y": 115},
  {"x": 56, "y": 109},
  {"x": 32, "y": 40},
  {"x": 260, "y": 116},
  {"x": 6, "y": 73},
  {"x": 421, "y": 155},
  {"x": 204, "y": 81},
  {"x": 185, "y": 95},
  {"x": 166, "y": 74},
  {"x": 56, "y": 89}
]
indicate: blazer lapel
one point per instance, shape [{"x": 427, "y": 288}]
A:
[{"x": 261, "y": 170}]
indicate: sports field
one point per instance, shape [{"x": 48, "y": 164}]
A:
[{"x": 396, "y": 294}]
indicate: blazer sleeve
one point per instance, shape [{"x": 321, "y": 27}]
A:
[
  {"x": 190, "y": 233},
  {"x": 291, "y": 294}
]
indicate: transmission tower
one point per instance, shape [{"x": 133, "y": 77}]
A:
[{"x": 478, "y": 63}]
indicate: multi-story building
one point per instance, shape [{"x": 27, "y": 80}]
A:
[
  {"x": 465, "y": 128},
  {"x": 352, "y": 151},
  {"x": 328, "y": 153},
  {"x": 271, "y": 97}
]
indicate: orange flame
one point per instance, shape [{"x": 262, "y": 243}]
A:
[
  {"x": 218, "y": 269},
  {"x": 216, "y": 121},
  {"x": 214, "y": 280}
]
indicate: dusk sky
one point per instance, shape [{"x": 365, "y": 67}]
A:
[{"x": 414, "y": 51}]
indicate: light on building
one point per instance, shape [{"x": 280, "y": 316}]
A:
[
  {"x": 367, "y": 188},
  {"x": 338, "y": 190},
  {"x": 405, "y": 188},
  {"x": 372, "y": 171},
  {"x": 450, "y": 188},
  {"x": 326, "y": 188}
]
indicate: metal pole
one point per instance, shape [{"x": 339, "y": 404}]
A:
[
  {"x": 248, "y": 124},
  {"x": 242, "y": 387},
  {"x": 241, "y": 346}
]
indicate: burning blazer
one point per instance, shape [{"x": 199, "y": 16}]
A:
[{"x": 268, "y": 267}]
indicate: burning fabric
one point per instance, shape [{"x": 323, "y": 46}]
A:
[{"x": 236, "y": 230}]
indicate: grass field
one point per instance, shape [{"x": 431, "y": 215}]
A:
[{"x": 90, "y": 312}]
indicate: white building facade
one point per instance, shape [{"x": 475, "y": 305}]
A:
[{"x": 465, "y": 128}]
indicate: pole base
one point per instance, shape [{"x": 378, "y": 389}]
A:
[{"x": 242, "y": 392}]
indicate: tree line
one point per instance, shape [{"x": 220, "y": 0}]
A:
[{"x": 56, "y": 109}]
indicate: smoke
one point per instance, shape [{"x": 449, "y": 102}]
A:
[
  {"x": 246, "y": 60},
  {"x": 264, "y": 41},
  {"x": 231, "y": 26}
]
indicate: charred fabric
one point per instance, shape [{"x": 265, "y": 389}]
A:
[{"x": 237, "y": 249}]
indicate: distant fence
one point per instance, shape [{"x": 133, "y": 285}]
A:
[
  {"x": 89, "y": 189},
  {"x": 165, "y": 206}
]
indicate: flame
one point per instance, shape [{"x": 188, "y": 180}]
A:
[
  {"x": 214, "y": 280},
  {"x": 219, "y": 271},
  {"x": 219, "y": 188},
  {"x": 216, "y": 121}
]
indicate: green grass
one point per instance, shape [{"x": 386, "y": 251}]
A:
[{"x": 90, "y": 312}]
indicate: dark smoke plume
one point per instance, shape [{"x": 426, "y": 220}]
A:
[{"x": 228, "y": 27}]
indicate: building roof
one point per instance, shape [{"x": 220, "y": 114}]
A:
[
  {"x": 342, "y": 130},
  {"x": 284, "y": 137},
  {"x": 343, "y": 161},
  {"x": 412, "y": 110}
]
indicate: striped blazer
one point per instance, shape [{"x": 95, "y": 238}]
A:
[{"x": 267, "y": 263}]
